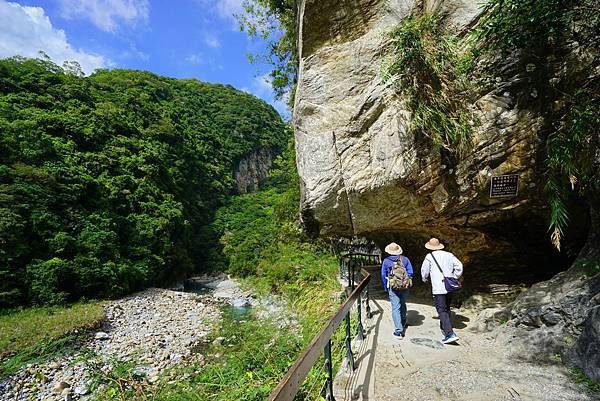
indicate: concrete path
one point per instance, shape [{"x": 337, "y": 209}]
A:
[{"x": 419, "y": 367}]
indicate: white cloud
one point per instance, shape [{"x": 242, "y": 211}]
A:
[
  {"x": 225, "y": 9},
  {"x": 263, "y": 82},
  {"x": 212, "y": 41},
  {"x": 195, "y": 59},
  {"x": 27, "y": 30},
  {"x": 135, "y": 53},
  {"x": 229, "y": 8},
  {"x": 107, "y": 14}
]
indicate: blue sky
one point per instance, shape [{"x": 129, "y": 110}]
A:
[{"x": 176, "y": 38}]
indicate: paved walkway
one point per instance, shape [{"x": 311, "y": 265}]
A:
[{"x": 419, "y": 367}]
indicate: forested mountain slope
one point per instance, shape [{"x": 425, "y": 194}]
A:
[{"x": 107, "y": 181}]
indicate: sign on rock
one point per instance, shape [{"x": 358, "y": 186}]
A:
[{"x": 504, "y": 185}]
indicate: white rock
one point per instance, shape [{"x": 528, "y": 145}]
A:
[
  {"x": 240, "y": 302},
  {"x": 101, "y": 336},
  {"x": 81, "y": 390}
]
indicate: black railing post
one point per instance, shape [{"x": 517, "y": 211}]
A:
[
  {"x": 350, "y": 269},
  {"x": 329, "y": 367},
  {"x": 369, "y": 314},
  {"x": 287, "y": 389},
  {"x": 349, "y": 355},
  {"x": 359, "y": 330}
]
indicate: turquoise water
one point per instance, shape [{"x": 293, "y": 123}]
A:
[
  {"x": 238, "y": 313},
  {"x": 229, "y": 311},
  {"x": 196, "y": 288}
]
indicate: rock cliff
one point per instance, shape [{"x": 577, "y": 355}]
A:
[
  {"x": 252, "y": 169},
  {"x": 363, "y": 172}
]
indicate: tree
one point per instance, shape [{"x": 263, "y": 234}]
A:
[
  {"x": 274, "y": 21},
  {"x": 107, "y": 182}
]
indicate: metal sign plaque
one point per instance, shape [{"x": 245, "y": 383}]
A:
[{"x": 504, "y": 185}]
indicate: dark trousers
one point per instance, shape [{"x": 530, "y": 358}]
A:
[{"x": 442, "y": 305}]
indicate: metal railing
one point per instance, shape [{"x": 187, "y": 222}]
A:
[{"x": 287, "y": 389}]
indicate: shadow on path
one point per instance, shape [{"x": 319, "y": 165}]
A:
[
  {"x": 414, "y": 318},
  {"x": 359, "y": 383}
]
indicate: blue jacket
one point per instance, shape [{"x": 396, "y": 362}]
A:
[{"x": 386, "y": 268}]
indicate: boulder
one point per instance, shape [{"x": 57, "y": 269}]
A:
[
  {"x": 81, "y": 390},
  {"x": 60, "y": 386},
  {"x": 560, "y": 315},
  {"x": 361, "y": 169},
  {"x": 552, "y": 314},
  {"x": 240, "y": 303},
  {"x": 585, "y": 354}
]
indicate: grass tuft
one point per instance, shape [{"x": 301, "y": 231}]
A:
[
  {"x": 580, "y": 377},
  {"x": 34, "y": 334},
  {"x": 430, "y": 70}
]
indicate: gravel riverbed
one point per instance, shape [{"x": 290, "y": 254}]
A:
[{"x": 155, "y": 329}]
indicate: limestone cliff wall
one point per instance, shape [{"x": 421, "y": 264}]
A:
[
  {"x": 364, "y": 173},
  {"x": 361, "y": 169},
  {"x": 252, "y": 169}
]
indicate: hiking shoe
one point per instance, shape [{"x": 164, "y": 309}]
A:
[
  {"x": 398, "y": 334},
  {"x": 450, "y": 338}
]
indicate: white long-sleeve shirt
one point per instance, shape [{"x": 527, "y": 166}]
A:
[{"x": 451, "y": 266}]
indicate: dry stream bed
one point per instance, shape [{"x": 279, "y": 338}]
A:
[{"x": 155, "y": 330}]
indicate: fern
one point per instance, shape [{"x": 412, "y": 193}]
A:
[{"x": 428, "y": 69}]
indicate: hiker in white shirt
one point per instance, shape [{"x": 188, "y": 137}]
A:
[{"x": 451, "y": 267}]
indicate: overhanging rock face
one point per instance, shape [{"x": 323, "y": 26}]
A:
[{"x": 363, "y": 172}]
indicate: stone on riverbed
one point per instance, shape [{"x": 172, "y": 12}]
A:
[
  {"x": 81, "y": 390},
  {"x": 101, "y": 336},
  {"x": 156, "y": 329},
  {"x": 226, "y": 289},
  {"x": 60, "y": 386}
]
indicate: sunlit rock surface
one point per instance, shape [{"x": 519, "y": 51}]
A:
[
  {"x": 363, "y": 173},
  {"x": 361, "y": 169}
]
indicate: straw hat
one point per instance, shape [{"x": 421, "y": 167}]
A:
[
  {"x": 434, "y": 244},
  {"x": 393, "y": 249}
]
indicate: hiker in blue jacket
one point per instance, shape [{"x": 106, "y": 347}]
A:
[{"x": 397, "y": 297}]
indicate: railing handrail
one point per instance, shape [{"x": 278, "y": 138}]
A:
[{"x": 288, "y": 387}]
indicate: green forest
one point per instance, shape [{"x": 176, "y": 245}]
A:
[{"x": 109, "y": 183}]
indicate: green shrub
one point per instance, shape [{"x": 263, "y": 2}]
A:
[
  {"x": 580, "y": 377},
  {"x": 429, "y": 70},
  {"x": 49, "y": 281}
]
